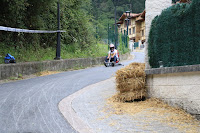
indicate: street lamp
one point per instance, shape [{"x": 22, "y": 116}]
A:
[
  {"x": 58, "y": 33},
  {"x": 127, "y": 23},
  {"x": 128, "y": 14}
]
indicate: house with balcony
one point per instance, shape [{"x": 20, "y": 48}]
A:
[{"x": 136, "y": 26}]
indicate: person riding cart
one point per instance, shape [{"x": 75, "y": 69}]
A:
[
  {"x": 113, "y": 57},
  {"x": 112, "y": 54}
]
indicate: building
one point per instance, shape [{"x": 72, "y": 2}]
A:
[
  {"x": 136, "y": 27},
  {"x": 183, "y": 1},
  {"x": 140, "y": 21}
]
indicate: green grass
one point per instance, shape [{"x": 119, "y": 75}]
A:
[
  {"x": 67, "y": 52},
  {"x": 41, "y": 54}
]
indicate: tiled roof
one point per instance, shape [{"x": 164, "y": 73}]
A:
[
  {"x": 132, "y": 15},
  {"x": 120, "y": 22}
]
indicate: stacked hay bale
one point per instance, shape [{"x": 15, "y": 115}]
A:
[{"x": 131, "y": 83}]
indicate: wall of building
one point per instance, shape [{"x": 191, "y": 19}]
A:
[
  {"x": 138, "y": 29},
  {"x": 144, "y": 29},
  {"x": 178, "y": 86},
  {"x": 153, "y": 8}
]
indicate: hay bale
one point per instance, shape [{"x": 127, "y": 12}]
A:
[{"x": 130, "y": 82}]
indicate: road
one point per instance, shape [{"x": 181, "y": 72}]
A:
[{"x": 31, "y": 106}]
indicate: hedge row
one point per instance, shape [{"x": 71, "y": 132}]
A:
[{"x": 174, "y": 37}]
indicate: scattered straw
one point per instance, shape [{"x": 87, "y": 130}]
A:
[
  {"x": 131, "y": 86},
  {"x": 155, "y": 110},
  {"x": 113, "y": 123},
  {"x": 45, "y": 73}
]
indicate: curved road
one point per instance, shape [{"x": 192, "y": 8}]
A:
[{"x": 31, "y": 106}]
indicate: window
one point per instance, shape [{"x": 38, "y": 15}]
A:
[
  {"x": 133, "y": 30},
  {"x": 129, "y": 31},
  {"x": 125, "y": 23},
  {"x": 142, "y": 32}
]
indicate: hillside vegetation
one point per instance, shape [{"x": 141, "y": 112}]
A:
[{"x": 79, "y": 18}]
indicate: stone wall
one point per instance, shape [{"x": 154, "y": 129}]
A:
[
  {"x": 153, "y": 8},
  {"x": 28, "y": 68},
  {"x": 178, "y": 86}
]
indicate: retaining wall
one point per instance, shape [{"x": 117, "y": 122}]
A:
[
  {"x": 178, "y": 86},
  {"x": 28, "y": 68}
]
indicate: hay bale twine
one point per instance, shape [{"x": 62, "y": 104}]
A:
[{"x": 130, "y": 82}]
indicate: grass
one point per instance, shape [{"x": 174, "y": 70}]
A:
[
  {"x": 20, "y": 77},
  {"x": 42, "y": 54},
  {"x": 67, "y": 52}
]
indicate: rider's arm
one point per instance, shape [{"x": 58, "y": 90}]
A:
[{"x": 108, "y": 55}]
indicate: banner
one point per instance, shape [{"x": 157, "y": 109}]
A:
[{"x": 27, "y": 31}]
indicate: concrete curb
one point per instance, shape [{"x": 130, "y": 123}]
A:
[{"x": 65, "y": 107}]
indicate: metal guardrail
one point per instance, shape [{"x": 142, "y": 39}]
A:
[{"x": 2, "y": 28}]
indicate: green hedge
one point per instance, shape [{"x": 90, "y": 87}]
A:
[{"x": 174, "y": 37}]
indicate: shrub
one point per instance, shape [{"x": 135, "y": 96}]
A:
[{"x": 174, "y": 37}]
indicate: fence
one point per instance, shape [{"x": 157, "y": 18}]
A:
[
  {"x": 121, "y": 39},
  {"x": 136, "y": 45},
  {"x": 174, "y": 38}
]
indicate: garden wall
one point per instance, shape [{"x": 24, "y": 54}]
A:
[
  {"x": 28, "y": 68},
  {"x": 178, "y": 86}
]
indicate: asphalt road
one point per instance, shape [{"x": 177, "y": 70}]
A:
[{"x": 31, "y": 106}]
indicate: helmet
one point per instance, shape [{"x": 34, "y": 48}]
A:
[{"x": 112, "y": 46}]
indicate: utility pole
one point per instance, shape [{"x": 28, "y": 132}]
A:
[{"x": 58, "y": 33}]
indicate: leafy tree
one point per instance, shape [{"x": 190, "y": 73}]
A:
[{"x": 79, "y": 18}]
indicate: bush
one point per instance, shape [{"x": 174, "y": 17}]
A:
[
  {"x": 42, "y": 15},
  {"x": 174, "y": 37}
]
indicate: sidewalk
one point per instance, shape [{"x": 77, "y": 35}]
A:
[{"x": 88, "y": 111}]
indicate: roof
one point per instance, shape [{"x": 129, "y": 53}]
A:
[
  {"x": 143, "y": 14},
  {"x": 132, "y": 15},
  {"x": 120, "y": 22},
  {"x": 141, "y": 17},
  {"x": 184, "y": 1}
]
